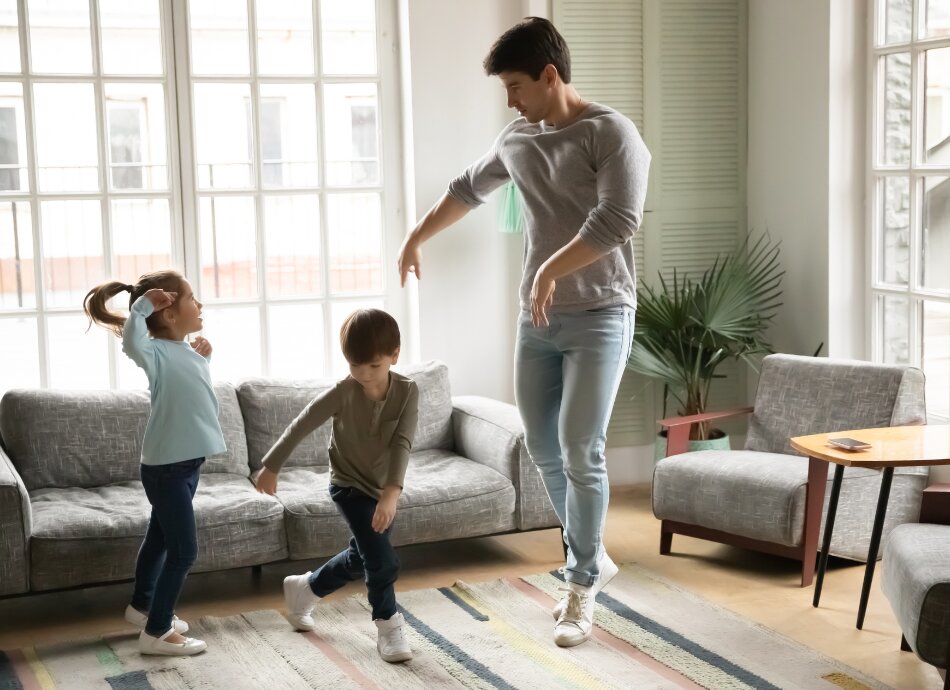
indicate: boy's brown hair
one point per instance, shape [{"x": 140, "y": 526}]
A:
[{"x": 367, "y": 334}]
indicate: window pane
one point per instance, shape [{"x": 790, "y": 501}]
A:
[
  {"x": 9, "y": 37},
  {"x": 130, "y": 375},
  {"x": 14, "y": 175},
  {"x": 936, "y": 356},
  {"x": 349, "y": 36},
  {"x": 288, "y": 115},
  {"x": 59, "y": 36},
  {"x": 141, "y": 237},
  {"x": 897, "y": 20},
  {"x": 296, "y": 342},
  {"x": 131, "y": 37},
  {"x": 936, "y": 18},
  {"x": 894, "y": 313},
  {"x": 935, "y": 261},
  {"x": 17, "y": 281},
  {"x": 937, "y": 107},
  {"x": 72, "y": 250},
  {"x": 234, "y": 333},
  {"x": 351, "y": 134},
  {"x": 66, "y": 137},
  {"x": 70, "y": 343},
  {"x": 228, "y": 247},
  {"x": 356, "y": 241},
  {"x": 292, "y": 245},
  {"x": 285, "y": 37},
  {"x": 20, "y": 345},
  {"x": 895, "y": 147},
  {"x": 218, "y": 37},
  {"x": 136, "y": 127},
  {"x": 223, "y": 132},
  {"x": 338, "y": 313},
  {"x": 895, "y": 227}
]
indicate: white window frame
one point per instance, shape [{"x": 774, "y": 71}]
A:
[
  {"x": 916, "y": 170},
  {"x": 182, "y": 191}
]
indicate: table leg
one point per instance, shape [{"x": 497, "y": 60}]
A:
[
  {"x": 882, "y": 498},
  {"x": 814, "y": 502},
  {"x": 829, "y": 528}
]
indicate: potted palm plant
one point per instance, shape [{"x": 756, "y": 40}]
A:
[{"x": 687, "y": 328}]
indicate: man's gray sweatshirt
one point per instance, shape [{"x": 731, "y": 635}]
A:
[{"x": 589, "y": 178}]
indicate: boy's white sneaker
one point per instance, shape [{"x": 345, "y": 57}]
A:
[
  {"x": 608, "y": 569},
  {"x": 158, "y": 646},
  {"x": 392, "y": 643},
  {"x": 139, "y": 619},
  {"x": 300, "y": 601},
  {"x": 576, "y": 622}
]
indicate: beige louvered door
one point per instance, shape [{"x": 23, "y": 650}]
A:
[{"x": 677, "y": 68}]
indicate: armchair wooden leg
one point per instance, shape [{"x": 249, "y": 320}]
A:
[
  {"x": 563, "y": 544},
  {"x": 814, "y": 502},
  {"x": 666, "y": 539}
]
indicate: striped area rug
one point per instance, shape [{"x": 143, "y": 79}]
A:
[{"x": 649, "y": 634}]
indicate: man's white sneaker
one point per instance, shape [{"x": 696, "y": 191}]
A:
[
  {"x": 139, "y": 619},
  {"x": 158, "y": 646},
  {"x": 577, "y": 620},
  {"x": 392, "y": 643},
  {"x": 300, "y": 601},
  {"x": 608, "y": 569}
]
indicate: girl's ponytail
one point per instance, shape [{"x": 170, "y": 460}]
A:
[{"x": 95, "y": 306}]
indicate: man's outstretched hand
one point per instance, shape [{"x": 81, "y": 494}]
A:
[{"x": 410, "y": 260}]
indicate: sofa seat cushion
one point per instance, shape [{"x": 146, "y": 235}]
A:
[
  {"x": 92, "y": 535},
  {"x": 445, "y": 497},
  {"x": 917, "y": 583},
  {"x": 762, "y": 496}
]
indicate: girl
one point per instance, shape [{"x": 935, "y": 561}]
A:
[{"x": 182, "y": 431}]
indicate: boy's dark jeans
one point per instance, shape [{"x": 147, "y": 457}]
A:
[
  {"x": 170, "y": 547},
  {"x": 370, "y": 556}
]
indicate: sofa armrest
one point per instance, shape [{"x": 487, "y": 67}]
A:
[
  {"x": 488, "y": 432},
  {"x": 677, "y": 428},
  {"x": 16, "y": 525}
]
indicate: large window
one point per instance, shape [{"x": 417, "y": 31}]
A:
[
  {"x": 910, "y": 176},
  {"x": 248, "y": 144}
]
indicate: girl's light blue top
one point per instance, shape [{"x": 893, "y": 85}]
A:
[{"x": 183, "y": 423}]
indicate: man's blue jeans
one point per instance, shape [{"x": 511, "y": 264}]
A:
[
  {"x": 170, "y": 547},
  {"x": 566, "y": 379},
  {"x": 370, "y": 555}
]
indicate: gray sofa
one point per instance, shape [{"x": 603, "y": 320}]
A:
[{"x": 73, "y": 513}]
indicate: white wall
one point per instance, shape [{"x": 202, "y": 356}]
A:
[
  {"x": 788, "y": 159},
  {"x": 468, "y": 295}
]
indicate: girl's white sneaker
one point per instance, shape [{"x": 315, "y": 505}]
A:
[
  {"x": 139, "y": 619},
  {"x": 159, "y": 647}
]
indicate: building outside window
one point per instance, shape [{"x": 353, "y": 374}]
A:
[{"x": 245, "y": 144}]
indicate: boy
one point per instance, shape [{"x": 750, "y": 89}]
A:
[{"x": 375, "y": 412}]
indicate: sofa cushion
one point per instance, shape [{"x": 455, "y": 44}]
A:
[
  {"x": 853, "y": 395},
  {"x": 63, "y": 438},
  {"x": 269, "y": 405},
  {"x": 762, "y": 496},
  {"x": 87, "y": 535},
  {"x": 917, "y": 583},
  {"x": 445, "y": 497}
]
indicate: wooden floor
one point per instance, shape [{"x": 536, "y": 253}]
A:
[{"x": 762, "y": 588}]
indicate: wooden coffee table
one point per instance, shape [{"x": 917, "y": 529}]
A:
[{"x": 896, "y": 446}]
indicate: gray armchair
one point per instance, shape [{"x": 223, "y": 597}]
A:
[{"x": 755, "y": 497}]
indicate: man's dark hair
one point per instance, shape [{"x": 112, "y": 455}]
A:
[
  {"x": 367, "y": 334},
  {"x": 529, "y": 47}
]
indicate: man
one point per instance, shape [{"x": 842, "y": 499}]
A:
[{"x": 581, "y": 169}]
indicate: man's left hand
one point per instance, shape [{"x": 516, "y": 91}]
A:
[{"x": 542, "y": 295}]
